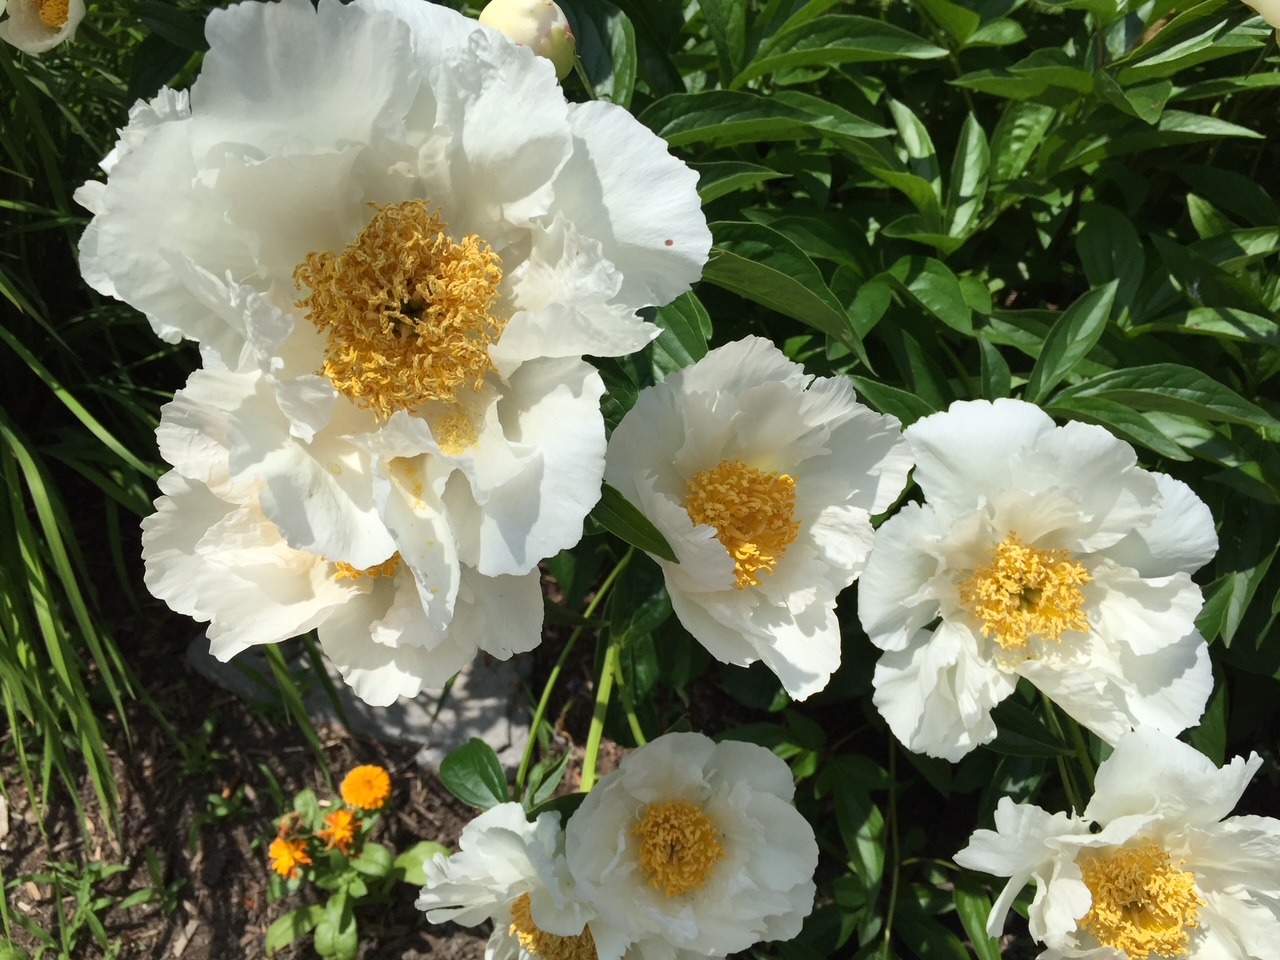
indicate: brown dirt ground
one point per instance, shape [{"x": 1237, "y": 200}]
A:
[{"x": 221, "y": 907}]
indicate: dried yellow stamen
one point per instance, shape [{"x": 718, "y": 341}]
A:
[
  {"x": 1025, "y": 592},
  {"x": 752, "y": 512},
  {"x": 549, "y": 946},
  {"x": 406, "y": 310},
  {"x": 387, "y": 568},
  {"x": 454, "y": 430},
  {"x": 53, "y": 13},
  {"x": 679, "y": 846},
  {"x": 1142, "y": 903}
]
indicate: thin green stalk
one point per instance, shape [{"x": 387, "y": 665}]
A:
[
  {"x": 1082, "y": 753},
  {"x": 893, "y": 849},
  {"x": 607, "y": 671},
  {"x": 541, "y": 711},
  {"x": 629, "y": 708},
  {"x": 1064, "y": 771}
]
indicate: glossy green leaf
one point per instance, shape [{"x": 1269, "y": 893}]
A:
[
  {"x": 762, "y": 265},
  {"x": 727, "y": 24},
  {"x": 1020, "y": 131},
  {"x": 973, "y": 906},
  {"x": 1070, "y": 340},
  {"x": 293, "y": 925},
  {"x": 935, "y": 289},
  {"x": 906, "y": 406},
  {"x": 959, "y": 23},
  {"x": 374, "y": 861},
  {"x": 970, "y": 172},
  {"x": 683, "y": 341},
  {"x": 1023, "y": 734},
  {"x": 620, "y": 517},
  {"x": 473, "y": 774},
  {"x": 606, "y": 43},
  {"x": 727, "y": 117},
  {"x": 723, "y": 177},
  {"x": 1122, "y": 420},
  {"x": 1222, "y": 322},
  {"x": 837, "y": 39}
]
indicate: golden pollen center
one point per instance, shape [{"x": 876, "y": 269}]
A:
[
  {"x": 53, "y": 13},
  {"x": 406, "y": 310},
  {"x": 1142, "y": 903},
  {"x": 679, "y": 846},
  {"x": 753, "y": 513},
  {"x": 548, "y": 945},
  {"x": 387, "y": 568},
  {"x": 1024, "y": 591}
]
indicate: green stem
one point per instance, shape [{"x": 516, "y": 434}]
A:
[
  {"x": 1068, "y": 781},
  {"x": 541, "y": 711},
  {"x": 1082, "y": 752},
  {"x": 893, "y": 849},
  {"x": 629, "y": 707},
  {"x": 607, "y": 671}
]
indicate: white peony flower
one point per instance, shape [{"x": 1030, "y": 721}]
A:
[
  {"x": 36, "y": 26},
  {"x": 513, "y": 872},
  {"x": 1163, "y": 876},
  {"x": 1042, "y": 552},
  {"x": 410, "y": 621},
  {"x": 763, "y": 479},
  {"x": 693, "y": 848},
  {"x": 394, "y": 241}
]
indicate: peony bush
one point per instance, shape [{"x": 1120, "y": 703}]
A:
[{"x": 887, "y": 390}]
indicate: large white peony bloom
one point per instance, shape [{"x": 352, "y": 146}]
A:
[
  {"x": 763, "y": 480},
  {"x": 1163, "y": 876},
  {"x": 1042, "y": 552},
  {"x": 693, "y": 848},
  {"x": 513, "y": 872},
  {"x": 394, "y": 241},
  {"x": 37, "y": 26}
]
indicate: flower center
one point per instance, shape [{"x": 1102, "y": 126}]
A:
[
  {"x": 406, "y": 310},
  {"x": 1142, "y": 904},
  {"x": 1025, "y": 591},
  {"x": 387, "y": 568},
  {"x": 548, "y": 945},
  {"x": 679, "y": 846},
  {"x": 752, "y": 512},
  {"x": 53, "y": 13}
]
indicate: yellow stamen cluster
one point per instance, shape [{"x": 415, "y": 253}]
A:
[
  {"x": 387, "y": 568},
  {"x": 549, "y": 946},
  {"x": 1142, "y": 903},
  {"x": 287, "y": 855},
  {"x": 367, "y": 787},
  {"x": 1024, "y": 592},
  {"x": 679, "y": 846},
  {"x": 406, "y": 310},
  {"x": 752, "y": 512},
  {"x": 53, "y": 13}
]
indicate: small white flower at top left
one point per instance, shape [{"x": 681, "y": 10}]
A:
[{"x": 36, "y": 26}]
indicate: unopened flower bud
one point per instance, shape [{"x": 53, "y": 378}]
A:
[{"x": 539, "y": 25}]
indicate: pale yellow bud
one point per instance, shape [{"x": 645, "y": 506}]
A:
[{"x": 539, "y": 25}]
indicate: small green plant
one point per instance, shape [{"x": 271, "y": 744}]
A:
[
  {"x": 79, "y": 910},
  {"x": 327, "y": 844}
]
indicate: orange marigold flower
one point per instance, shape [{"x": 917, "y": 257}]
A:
[
  {"x": 367, "y": 787},
  {"x": 340, "y": 831},
  {"x": 287, "y": 855}
]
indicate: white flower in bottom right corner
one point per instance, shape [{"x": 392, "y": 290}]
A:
[{"x": 1164, "y": 876}]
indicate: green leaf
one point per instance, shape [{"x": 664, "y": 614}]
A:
[
  {"x": 728, "y": 117},
  {"x": 294, "y": 924},
  {"x": 683, "y": 341},
  {"x": 727, "y": 176},
  {"x": 1070, "y": 340},
  {"x": 1209, "y": 736},
  {"x": 410, "y": 862},
  {"x": 1022, "y": 733},
  {"x": 970, "y": 170},
  {"x": 762, "y": 265},
  {"x": 973, "y": 906},
  {"x": 308, "y": 808},
  {"x": 1110, "y": 249},
  {"x": 837, "y": 39},
  {"x": 473, "y": 774},
  {"x": 922, "y": 157},
  {"x": 1223, "y": 322},
  {"x": 907, "y": 407},
  {"x": 997, "y": 33},
  {"x": 1051, "y": 76},
  {"x": 620, "y": 517},
  {"x": 1123, "y": 421},
  {"x": 374, "y": 860},
  {"x": 1021, "y": 130},
  {"x": 606, "y": 43},
  {"x": 544, "y": 778},
  {"x": 1173, "y": 388},
  {"x": 177, "y": 26},
  {"x": 727, "y": 24},
  {"x": 336, "y": 934},
  {"x": 1171, "y": 50},
  {"x": 932, "y": 285},
  {"x": 959, "y": 23},
  {"x": 997, "y": 381}
]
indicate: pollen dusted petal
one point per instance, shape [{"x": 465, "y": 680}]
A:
[{"x": 406, "y": 310}]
